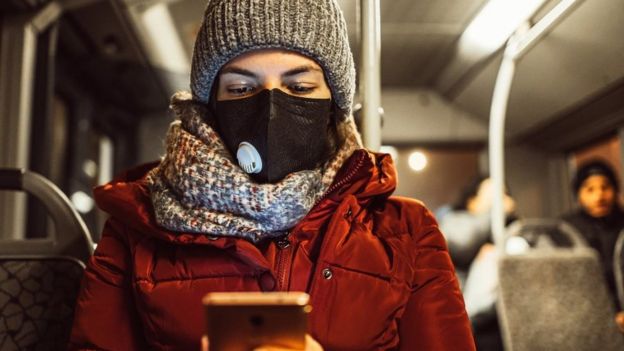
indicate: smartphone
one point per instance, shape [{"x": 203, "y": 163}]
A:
[{"x": 242, "y": 321}]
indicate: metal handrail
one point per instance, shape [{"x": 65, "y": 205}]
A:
[
  {"x": 517, "y": 46},
  {"x": 71, "y": 236}
]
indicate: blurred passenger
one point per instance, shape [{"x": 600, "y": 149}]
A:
[
  {"x": 467, "y": 226},
  {"x": 599, "y": 217},
  {"x": 469, "y": 238},
  {"x": 265, "y": 186}
]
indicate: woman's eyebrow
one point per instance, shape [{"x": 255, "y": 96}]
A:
[
  {"x": 301, "y": 69},
  {"x": 238, "y": 70}
]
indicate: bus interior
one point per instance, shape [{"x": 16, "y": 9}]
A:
[{"x": 85, "y": 88}]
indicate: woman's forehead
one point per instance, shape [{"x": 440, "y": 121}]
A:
[{"x": 272, "y": 60}]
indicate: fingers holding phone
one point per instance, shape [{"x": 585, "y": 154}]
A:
[
  {"x": 257, "y": 321},
  {"x": 310, "y": 345}
]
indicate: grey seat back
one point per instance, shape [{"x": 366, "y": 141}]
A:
[
  {"x": 546, "y": 233},
  {"x": 40, "y": 278},
  {"x": 553, "y": 298}
]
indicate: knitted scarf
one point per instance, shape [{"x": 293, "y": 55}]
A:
[{"x": 199, "y": 188}]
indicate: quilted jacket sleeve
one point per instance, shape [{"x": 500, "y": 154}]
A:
[
  {"x": 105, "y": 317},
  {"x": 435, "y": 317}
]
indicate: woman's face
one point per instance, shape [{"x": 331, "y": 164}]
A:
[
  {"x": 597, "y": 196},
  {"x": 252, "y": 72}
]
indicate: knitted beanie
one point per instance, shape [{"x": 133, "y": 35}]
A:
[
  {"x": 594, "y": 167},
  {"x": 314, "y": 28}
]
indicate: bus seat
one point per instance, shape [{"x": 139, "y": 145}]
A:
[
  {"x": 40, "y": 278},
  {"x": 555, "y": 297},
  {"x": 37, "y": 298},
  {"x": 546, "y": 233}
]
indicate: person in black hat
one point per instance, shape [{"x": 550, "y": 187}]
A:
[{"x": 599, "y": 217}]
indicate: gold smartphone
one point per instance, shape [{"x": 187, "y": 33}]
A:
[{"x": 242, "y": 321}]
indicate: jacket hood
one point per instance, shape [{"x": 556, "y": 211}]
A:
[{"x": 365, "y": 175}]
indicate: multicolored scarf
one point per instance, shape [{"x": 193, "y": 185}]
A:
[{"x": 199, "y": 188}]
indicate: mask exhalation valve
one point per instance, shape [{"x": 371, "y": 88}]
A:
[{"x": 249, "y": 158}]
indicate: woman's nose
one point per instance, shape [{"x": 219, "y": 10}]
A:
[{"x": 271, "y": 83}]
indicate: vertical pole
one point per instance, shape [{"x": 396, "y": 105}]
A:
[
  {"x": 497, "y": 146},
  {"x": 370, "y": 73},
  {"x": 18, "y": 56},
  {"x": 519, "y": 44},
  {"x": 17, "y": 59}
]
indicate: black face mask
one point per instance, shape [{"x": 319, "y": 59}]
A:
[{"x": 273, "y": 133}]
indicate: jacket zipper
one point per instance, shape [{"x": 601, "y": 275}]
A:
[
  {"x": 342, "y": 181},
  {"x": 347, "y": 178},
  {"x": 284, "y": 256}
]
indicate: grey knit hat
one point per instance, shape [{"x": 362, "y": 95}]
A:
[{"x": 314, "y": 28}]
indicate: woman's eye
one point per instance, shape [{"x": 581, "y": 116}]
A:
[
  {"x": 301, "y": 88},
  {"x": 240, "y": 90}
]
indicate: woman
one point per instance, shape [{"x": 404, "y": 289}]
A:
[{"x": 265, "y": 187}]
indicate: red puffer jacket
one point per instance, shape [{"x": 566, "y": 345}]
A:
[{"x": 376, "y": 268}]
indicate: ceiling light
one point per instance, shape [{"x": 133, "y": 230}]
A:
[
  {"x": 495, "y": 23},
  {"x": 417, "y": 161},
  {"x": 90, "y": 168},
  {"x": 82, "y": 202},
  {"x": 163, "y": 40}
]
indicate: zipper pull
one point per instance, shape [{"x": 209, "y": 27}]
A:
[{"x": 283, "y": 242}]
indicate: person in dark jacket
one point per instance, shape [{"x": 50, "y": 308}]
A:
[
  {"x": 599, "y": 216},
  {"x": 265, "y": 186}
]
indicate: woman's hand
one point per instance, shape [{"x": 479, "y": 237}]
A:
[{"x": 311, "y": 345}]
